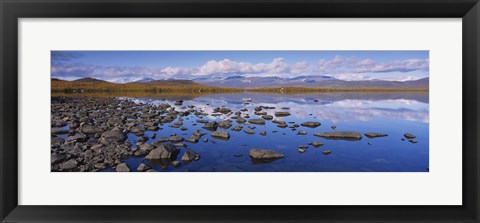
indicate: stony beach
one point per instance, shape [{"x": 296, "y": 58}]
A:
[{"x": 90, "y": 134}]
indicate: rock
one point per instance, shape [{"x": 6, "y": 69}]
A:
[
  {"x": 412, "y": 140},
  {"x": 190, "y": 155},
  {"x": 176, "y": 139},
  {"x": 59, "y": 131},
  {"x": 257, "y": 121},
  {"x": 57, "y": 158},
  {"x": 282, "y": 113},
  {"x": 71, "y": 164},
  {"x": 57, "y": 141},
  {"x": 78, "y": 137},
  {"x": 90, "y": 129},
  {"x": 267, "y": 117},
  {"x": 237, "y": 155},
  {"x": 375, "y": 135},
  {"x": 100, "y": 166},
  {"x": 164, "y": 151},
  {"x": 263, "y": 133},
  {"x": 317, "y": 144},
  {"x": 301, "y": 132},
  {"x": 249, "y": 131},
  {"x": 205, "y": 140},
  {"x": 257, "y": 109},
  {"x": 163, "y": 139},
  {"x": 122, "y": 167},
  {"x": 348, "y": 135},
  {"x": 333, "y": 127},
  {"x": 282, "y": 125},
  {"x": 241, "y": 120},
  {"x": 202, "y": 121},
  {"x": 176, "y": 163},
  {"x": 265, "y": 154},
  {"x": 221, "y": 134},
  {"x": 237, "y": 128},
  {"x": 225, "y": 124},
  {"x": 212, "y": 126},
  {"x": 113, "y": 136},
  {"x": 301, "y": 150},
  {"x": 148, "y": 115},
  {"x": 326, "y": 152},
  {"x": 142, "y": 168},
  {"x": 180, "y": 145},
  {"x": 192, "y": 139},
  {"x": 409, "y": 136},
  {"x": 222, "y": 110},
  {"x": 311, "y": 124},
  {"x": 146, "y": 147}
]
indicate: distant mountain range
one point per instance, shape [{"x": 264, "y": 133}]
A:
[{"x": 272, "y": 82}]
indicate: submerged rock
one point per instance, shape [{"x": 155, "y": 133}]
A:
[{"x": 348, "y": 135}]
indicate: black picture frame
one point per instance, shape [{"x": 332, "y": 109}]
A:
[{"x": 11, "y": 11}]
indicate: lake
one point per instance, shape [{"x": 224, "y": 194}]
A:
[{"x": 390, "y": 113}]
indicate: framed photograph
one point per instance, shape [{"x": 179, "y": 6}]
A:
[{"x": 228, "y": 111}]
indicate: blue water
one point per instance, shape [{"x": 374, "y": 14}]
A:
[{"x": 392, "y": 113}]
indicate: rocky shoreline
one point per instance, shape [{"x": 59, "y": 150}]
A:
[{"x": 90, "y": 134}]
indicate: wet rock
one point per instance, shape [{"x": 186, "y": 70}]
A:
[
  {"x": 142, "y": 168},
  {"x": 237, "y": 128},
  {"x": 122, "y": 167},
  {"x": 149, "y": 115},
  {"x": 333, "y": 127},
  {"x": 71, "y": 164},
  {"x": 257, "y": 109},
  {"x": 301, "y": 132},
  {"x": 202, "y": 121},
  {"x": 267, "y": 117},
  {"x": 212, "y": 126},
  {"x": 241, "y": 120},
  {"x": 222, "y": 110},
  {"x": 57, "y": 141},
  {"x": 265, "y": 154},
  {"x": 326, "y": 152},
  {"x": 409, "y": 136},
  {"x": 302, "y": 146},
  {"x": 176, "y": 163},
  {"x": 311, "y": 124},
  {"x": 180, "y": 145},
  {"x": 263, "y": 133},
  {"x": 282, "y": 113},
  {"x": 192, "y": 139},
  {"x": 249, "y": 131},
  {"x": 317, "y": 144},
  {"x": 348, "y": 135},
  {"x": 163, "y": 139},
  {"x": 282, "y": 125},
  {"x": 190, "y": 155},
  {"x": 205, "y": 140},
  {"x": 221, "y": 134},
  {"x": 375, "y": 135},
  {"x": 301, "y": 150},
  {"x": 257, "y": 121},
  {"x": 176, "y": 138},
  {"x": 260, "y": 113},
  {"x": 179, "y": 102},
  {"x": 164, "y": 151},
  {"x": 225, "y": 124},
  {"x": 412, "y": 140}
]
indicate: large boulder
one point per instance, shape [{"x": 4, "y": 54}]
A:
[
  {"x": 164, "y": 151},
  {"x": 212, "y": 126}
]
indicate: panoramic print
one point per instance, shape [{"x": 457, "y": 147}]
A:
[{"x": 239, "y": 111}]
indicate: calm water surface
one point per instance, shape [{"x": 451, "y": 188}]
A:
[{"x": 391, "y": 113}]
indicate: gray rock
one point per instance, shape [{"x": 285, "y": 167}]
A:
[
  {"x": 142, "y": 168},
  {"x": 176, "y": 139},
  {"x": 59, "y": 131},
  {"x": 265, "y": 154},
  {"x": 282, "y": 113},
  {"x": 267, "y": 117},
  {"x": 412, "y": 140},
  {"x": 57, "y": 158},
  {"x": 409, "y": 136},
  {"x": 326, "y": 152},
  {"x": 212, "y": 126},
  {"x": 78, "y": 137},
  {"x": 257, "y": 121},
  {"x": 113, "y": 136},
  {"x": 90, "y": 129},
  {"x": 249, "y": 131},
  {"x": 311, "y": 124},
  {"x": 375, "y": 135},
  {"x": 190, "y": 155},
  {"x": 175, "y": 163},
  {"x": 301, "y": 132},
  {"x": 122, "y": 167},
  {"x": 192, "y": 139},
  {"x": 348, "y": 135},
  {"x": 221, "y": 134},
  {"x": 71, "y": 164},
  {"x": 317, "y": 144},
  {"x": 263, "y": 133},
  {"x": 164, "y": 151}
]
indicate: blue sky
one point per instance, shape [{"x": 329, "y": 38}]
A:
[{"x": 125, "y": 66}]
